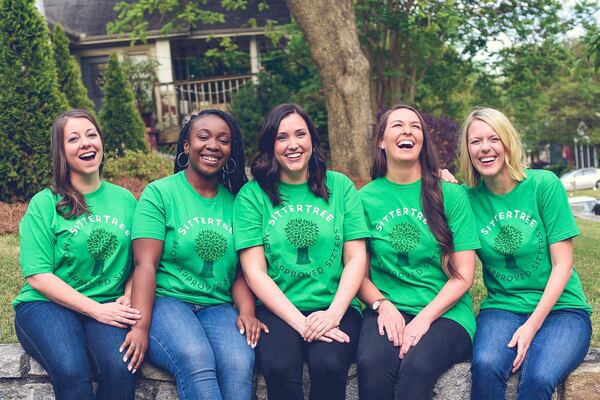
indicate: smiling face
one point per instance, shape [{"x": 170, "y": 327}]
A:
[
  {"x": 486, "y": 150},
  {"x": 83, "y": 147},
  {"x": 293, "y": 149},
  {"x": 403, "y": 137},
  {"x": 208, "y": 146}
]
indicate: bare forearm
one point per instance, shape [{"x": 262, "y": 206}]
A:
[
  {"x": 143, "y": 291},
  {"x": 242, "y": 296},
  {"x": 350, "y": 282},
  {"x": 559, "y": 277},
  {"x": 368, "y": 292},
  {"x": 450, "y": 293},
  {"x": 58, "y": 291}
]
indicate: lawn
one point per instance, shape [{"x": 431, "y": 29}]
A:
[{"x": 587, "y": 254}]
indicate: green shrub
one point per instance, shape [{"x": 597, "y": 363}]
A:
[
  {"x": 120, "y": 120},
  {"x": 29, "y": 100},
  {"x": 69, "y": 73},
  {"x": 138, "y": 164}
]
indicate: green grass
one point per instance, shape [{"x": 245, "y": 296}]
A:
[
  {"x": 11, "y": 282},
  {"x": 588, "y": 192},
  {"x": 587, "y": 253}
]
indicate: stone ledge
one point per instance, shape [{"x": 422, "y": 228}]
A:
[{"x": 21, "y": 377}]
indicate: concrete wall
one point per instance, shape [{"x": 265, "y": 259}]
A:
[{"x": 23, "y": 378}]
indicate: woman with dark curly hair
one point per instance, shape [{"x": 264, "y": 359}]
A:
[
  {"x": 186, "y": 276},
  {"x": 300, "y": 231},
  {"x": 75, "y": 241}
]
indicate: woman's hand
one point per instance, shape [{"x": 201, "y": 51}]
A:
[
  {"x": 446, "y": 176},
  {"x": 390, "y": 322},
  {"x": 335, "y": 334},
  {"x": 318, "y": 323},
  {"x": 135, "y": 344},
  {"x": 115, "y": 314},
  {"x": 522, "y": 339},
  {"x": 413, "y": 332},
  {"x": 124, "y": 300},
  {"x": 252, "y": 327}
]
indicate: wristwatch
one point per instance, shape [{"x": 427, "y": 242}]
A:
[{"x": 377, "y": 303}]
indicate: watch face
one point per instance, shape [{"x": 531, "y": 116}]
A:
[{"x": 375, "y": 305}]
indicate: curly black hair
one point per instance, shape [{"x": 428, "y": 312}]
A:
[{"x": 237, "y": 178}]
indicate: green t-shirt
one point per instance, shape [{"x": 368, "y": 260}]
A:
[
  {"x": 198, "y": 263},
  {"x": 406, "y": 260},
  {"x": 516, "y": 230},
  {"x": 303, "y": 237},
  {"x": 91, "y": 253}
]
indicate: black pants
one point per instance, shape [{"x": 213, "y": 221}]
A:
[
  {"x": 382, "y": 375},
  {"x": 281, "y": 354}
]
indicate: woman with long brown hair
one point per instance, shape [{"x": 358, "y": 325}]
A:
[
  {"x": 75, "y": 240},
  {"x": 300, "y": 232},
  {"x": 419, "y": 320}
]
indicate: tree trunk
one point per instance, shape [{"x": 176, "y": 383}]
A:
[{"x": 330, "y": 28}]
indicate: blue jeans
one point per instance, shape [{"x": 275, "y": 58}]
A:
[
  {"x": 73, "y": 349},
  {"x": 203, "y": 348},
  {"x": 558, "y": 347}
]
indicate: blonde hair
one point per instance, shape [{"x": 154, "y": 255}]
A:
[{"x": 508, "y": 135}]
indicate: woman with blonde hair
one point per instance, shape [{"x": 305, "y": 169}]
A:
[{"x": 535, "y": 316}]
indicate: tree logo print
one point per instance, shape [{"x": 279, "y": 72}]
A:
[
  {"x": 507, "y": 243},
  {"x": 210, "y": 247},
  {"x": 101, "y": 244},
  {"x": 404, "y": 237},
  {"x": 302, "y": 233}
]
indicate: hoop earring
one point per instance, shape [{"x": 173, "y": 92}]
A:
[
  {"x": 227, "y": 170},
  {"x": 178, "y": 160}
]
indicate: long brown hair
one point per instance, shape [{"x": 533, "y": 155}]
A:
[
  {"x": 72, "y": 203},
  {"x": 265, "y": 168},
  {"x": 431, "y": 191}
]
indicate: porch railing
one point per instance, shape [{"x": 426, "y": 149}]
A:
[{"x": 177, "y": 100}]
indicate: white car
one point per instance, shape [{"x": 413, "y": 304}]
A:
[{"x": 585, "y": 178}]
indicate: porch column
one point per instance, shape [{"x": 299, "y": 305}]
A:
[{"x": 254, "y": 61}]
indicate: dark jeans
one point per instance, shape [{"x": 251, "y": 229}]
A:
[
  {"x": 73, "y": 349},
  {"x": 382, "y": 375},
  {"x": 557, "y": 348},
  {"x": 281, "y": 354}
]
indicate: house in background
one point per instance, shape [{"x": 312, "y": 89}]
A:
[{"x": 184, "y": 86}]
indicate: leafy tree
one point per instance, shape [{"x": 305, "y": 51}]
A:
[
  {"x": 252, "y": 103},
  {"x": 142, "y": 76},
  {"x": 29, "y": 99},
  {"x": 444, "y": 132},
  {"x": 120, "y": 119},
  {"x": 342, "y": 66},
  {"x": 69, "y": 73},
  {"x": 101, "y": 244},
  {"x": 507, "y": 243},
  {"x": 301, "y": 233},
  {"x": 210, "y": 246},
  {"x": 404, "y": 237}
]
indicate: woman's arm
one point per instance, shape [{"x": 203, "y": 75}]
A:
[
  {"x": 56, "y": 290},
  {"x": 451, "y": 292},
  {"x": 246, "y": 303},
  {"x": 355, "y": 261},
  {"x": 390, "y": 321},
  {"x": 146, "y": 255},
  {"x": 561, "y": 254},
  {"x": 254, "y": 266}
]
